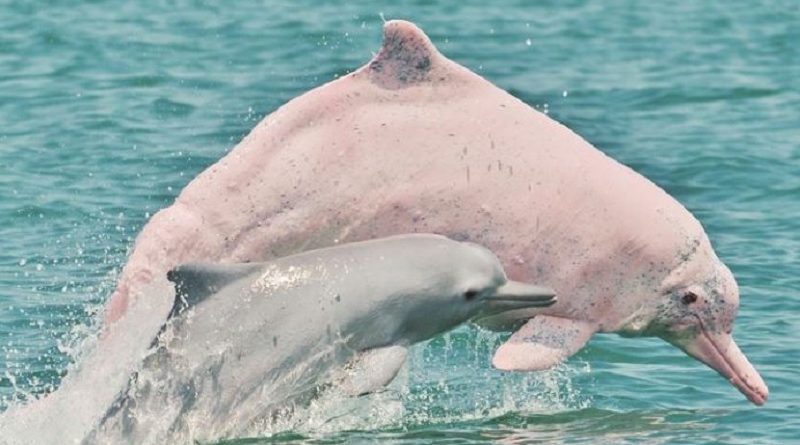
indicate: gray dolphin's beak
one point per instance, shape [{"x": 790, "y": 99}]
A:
[
  {"x": 721, "y": 353},
  {"x": 515, "y": 295}
]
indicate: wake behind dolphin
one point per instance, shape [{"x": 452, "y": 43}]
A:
[{"x": 247, "y": 342}]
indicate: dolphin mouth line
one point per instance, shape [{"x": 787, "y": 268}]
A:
[
  {"x": 753, "y": 394},
  {"x": 544, "y": 300},
  {"x": 497, "y": 306}
]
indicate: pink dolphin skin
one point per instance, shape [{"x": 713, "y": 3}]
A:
[{"x": 414, "y": 142}]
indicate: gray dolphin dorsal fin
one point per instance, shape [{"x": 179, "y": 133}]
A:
[{"x": 196, "y": 281}]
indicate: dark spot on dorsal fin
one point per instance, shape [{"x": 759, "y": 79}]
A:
[{"x": 406, "y": 57}]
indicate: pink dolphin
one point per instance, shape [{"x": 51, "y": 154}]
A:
[{"x": 414, "y": 142}]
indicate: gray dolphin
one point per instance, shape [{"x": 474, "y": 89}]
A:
[{"x": 248, "y": 341}]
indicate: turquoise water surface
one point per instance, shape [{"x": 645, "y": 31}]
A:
[{"x": 107, "y": 110}]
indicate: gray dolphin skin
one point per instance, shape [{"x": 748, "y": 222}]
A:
[{"x": 246, "y": 342}]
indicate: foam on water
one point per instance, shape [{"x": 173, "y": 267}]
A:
[
  {"x": 91, "y": 405},
  {"x": 105, "y": 363}
]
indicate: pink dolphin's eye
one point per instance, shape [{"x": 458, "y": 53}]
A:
[{"x": 689, "y": 298}]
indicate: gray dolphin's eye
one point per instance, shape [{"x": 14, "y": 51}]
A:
[
  {"x": 470, "y": 294},
  {"x": 689, "y": 298}
]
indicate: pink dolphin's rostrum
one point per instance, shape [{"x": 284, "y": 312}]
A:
[{"x": 414, "y": 142}]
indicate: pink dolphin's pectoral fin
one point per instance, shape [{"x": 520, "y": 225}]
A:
[{"x": 541, "y": 343}]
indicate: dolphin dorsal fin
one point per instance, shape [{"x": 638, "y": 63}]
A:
[
  {"x": 406, "y": 57},
  {"x": 194, "y": 282}
]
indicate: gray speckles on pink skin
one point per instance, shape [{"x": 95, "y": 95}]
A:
[{"x": 379, "y": 160}]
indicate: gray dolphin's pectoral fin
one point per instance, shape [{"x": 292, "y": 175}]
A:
[
  {"x": 541, "y": 343},
  {"x": 371, "y": 370},
  {"x": 196, "y": 281}
]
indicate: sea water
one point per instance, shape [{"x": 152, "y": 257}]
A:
[{"x": 108, "y": 109}]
